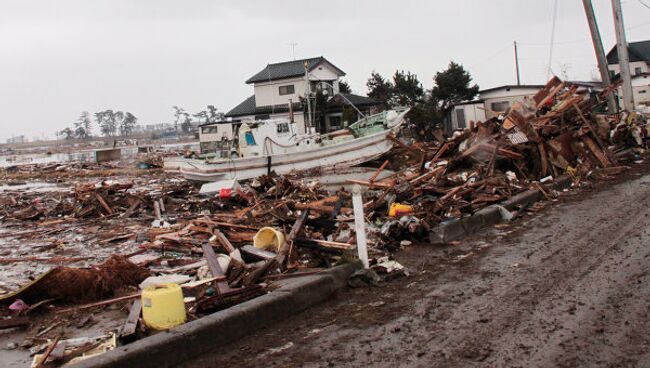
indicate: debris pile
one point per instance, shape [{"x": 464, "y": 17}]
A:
[{"x": 226, "y": 248}]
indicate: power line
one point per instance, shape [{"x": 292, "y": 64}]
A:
[
  {"x": 644, "y": 4},
  {"x": 575, "y": 41}
]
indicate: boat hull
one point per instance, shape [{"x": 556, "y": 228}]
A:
[{"x": 344, "y": 154}]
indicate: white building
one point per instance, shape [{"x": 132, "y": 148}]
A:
[
  {"x": 639, "y": 69},
  {"x": 490, "y": 103},
  {"x": 495, "y": 101},
  {"x": 278, "y": 85}
]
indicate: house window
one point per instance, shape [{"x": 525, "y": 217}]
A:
[
  {"x": 283, "y": 128},
  {"x": 499, "y": 106},
  {"x": 460, "y": 117},
  {"x": 642, "y": 91},
  {"x": 637, "y": 70},
  {"x": 287, "y": 90}
]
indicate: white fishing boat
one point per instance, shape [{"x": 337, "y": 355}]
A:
[{"x": 273, "y": 145}]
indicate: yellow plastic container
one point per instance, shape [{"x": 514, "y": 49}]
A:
[
  {"x": 268, "y": 238},
  {"x": 163, "y": 306},
  {"x": 398, "y": 209}
]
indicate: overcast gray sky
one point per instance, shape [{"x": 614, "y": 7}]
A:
[{"x": 58, "y": 58}]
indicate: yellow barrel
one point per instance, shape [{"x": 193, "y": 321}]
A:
[
  {"x": 269, "y": 239},
  {"x": 398, "y": 210},
  {"x": 163, "y": 306}
]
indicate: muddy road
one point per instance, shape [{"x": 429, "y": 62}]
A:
[{"x": 567, "y": 287}]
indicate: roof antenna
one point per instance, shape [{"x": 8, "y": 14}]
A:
[{"x": 293, "y": 50}]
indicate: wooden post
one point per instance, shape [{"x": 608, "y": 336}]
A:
[{"x": 360, "y": 225}]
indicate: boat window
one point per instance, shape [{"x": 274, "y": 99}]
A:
[
  {"x": 250, "y": 140},
  {"x": 283, "y": 128},
  {"x": 210, "y": 130}
]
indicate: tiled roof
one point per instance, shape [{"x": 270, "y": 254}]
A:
[
  {"x": 639, "y": 51},
  {"x": 247, "y": 107},
  {"x": 289, "y": 69}
]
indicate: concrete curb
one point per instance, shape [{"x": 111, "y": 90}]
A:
[
  {"x": 458, "y": 228},
  {"x": 168, "y": 349}
]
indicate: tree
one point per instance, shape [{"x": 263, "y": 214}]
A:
[
  {"x": 202, "y": 115},
  {"x": 66, "y": 133},
  {"x": 379, "y": 88},
  {"x": 186, "y": 125},
  {"x": 178, "y": 113},
  {"x": 127, "y": 123},
  {"x": 453, "y": 85},
  {"x": 344, "y": 87},
  {"x": 407, "y": 89},
  {"x": 83, "y": 126},
  {"x": 106, "y": 120},
  {"x": 214, "y": 115}
]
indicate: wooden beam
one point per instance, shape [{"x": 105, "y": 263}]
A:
[
  {"x": 131, "y": 325},
  {"x": 376, "y": 174},
  {"x": 224, "y": 241},
  {"x": 215, "y": 269},
  {"x": 13, "y": 322}
]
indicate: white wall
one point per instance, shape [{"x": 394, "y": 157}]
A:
[
  {"x": 509, "y": 92},
  {"x": 298, "y": 117},
  {"x": 323, "y": 72},
  {"x": 473, "y": 112},
  {"x": 616, "y": 68},
  {"x": 641, "y": 90},
  {"x": 223, "y": 130},
  {"x": 268, "y": 93}
]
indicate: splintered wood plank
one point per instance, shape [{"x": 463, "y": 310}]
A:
[
  {"x": 215, "y": 268},
  {"x": 103, "y": 203},
  {"x": 593, "y": 147},
  {"x": 131, "y": 325}
]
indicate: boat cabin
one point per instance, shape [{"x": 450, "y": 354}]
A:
[{"x": 218, "y": 138}]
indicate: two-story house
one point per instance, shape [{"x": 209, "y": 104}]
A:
[
  {"x": 639, "y": 69},
  {"x": 281, "y": 89}
]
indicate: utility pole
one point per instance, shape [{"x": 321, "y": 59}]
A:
[
  {"x": 600, "y": 53},
  {"x": 308, "y": 89},
  {"x": 517, "y": 64},
  {"x": 623, "y": 56}
]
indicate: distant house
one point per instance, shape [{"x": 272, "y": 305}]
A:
[
  {"x": 493, "y": 102},
  {"x": 280, "y": 90},
  {"x": 490, "y": 103},
  {"x": 639, "y": 53}
]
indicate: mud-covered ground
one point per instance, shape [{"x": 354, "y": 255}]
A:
[{"x": 568, "y": 286}]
